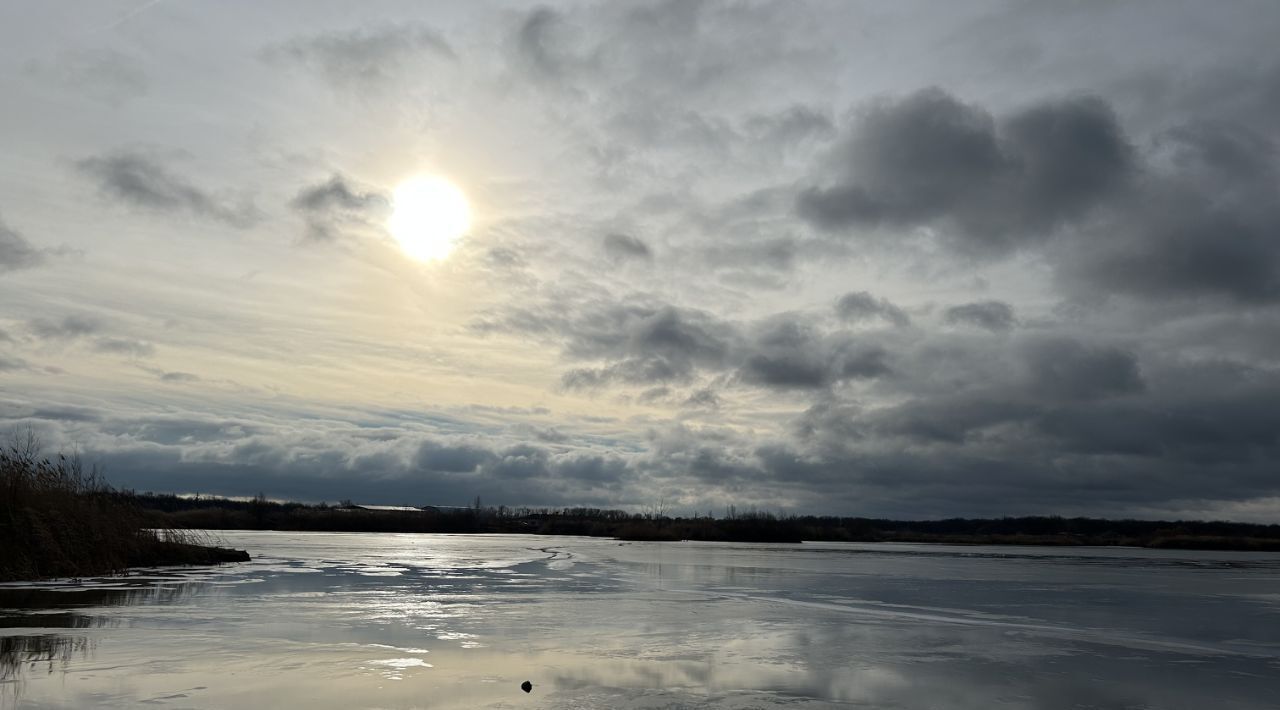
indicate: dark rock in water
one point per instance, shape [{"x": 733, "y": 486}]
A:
[{"x": 526, "y": 687}]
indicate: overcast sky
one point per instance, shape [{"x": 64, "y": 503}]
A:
[{"x": 902, "y": 259}]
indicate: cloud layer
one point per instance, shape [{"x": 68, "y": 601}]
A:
[{"x": 890, "y": 260}]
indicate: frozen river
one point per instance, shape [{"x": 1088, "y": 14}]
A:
[{"x": 322, "y": 620}]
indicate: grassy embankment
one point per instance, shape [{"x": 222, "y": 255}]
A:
[{"x": 57, "y": 520}]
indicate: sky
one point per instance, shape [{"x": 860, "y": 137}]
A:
[{"x": 892, "y": 259}]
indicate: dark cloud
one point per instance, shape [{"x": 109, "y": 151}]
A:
[
  {"x": 364, "y": 58},
  {"x": 1062, "y": 368},
  {"x": 656, "y": 94},
  {"x": 140, "y": 181},
  {"x": 624, "y": 246},
  {"x": 124, "y": 346},
  {"x": 1000, "y": 397},
  {"x": 462, "y": 458},
  {"x": 647, "y": 343},
  {"x": 67, "y": 414},
  {"x": 550, "y": 435},
  {"x": 16, "y": 252},
  {"x": 786, "y": 352},
  {"x": 674, "y": 53},
  {"x": 12, "y": 362},
  {"x": 676, "y": 335},
  {"x": 520, "y": 461},
  {"x": 177, "y": 376},
  {"x": 945, "y": 417},
  {"x": 88, "y": 329},
  {"x": 910, "y": 161},
  {"x": 1206, "y": 224},
  {"x": 1067, "y": 156},
  {"x": 653, "y": 344},
  {"x": 1060, "y": 442},
  {"x": 857, "y": 306},
  {"x": 702, "y": 399},
  {"x": 441, "y": 472},
  {"x": 654, "y": 395},
  {"x": 990, "y": 315},
  {"x": 332, "y": 206},
  {"x": 538, "y": 46},
  {"x": 504, "y": 258},
  {"x": 336, "y": 194},
  {"x": 988, "y": 185},
  {"x": 1194, "y": 215},
  {"x": 1234, "y": 425},
  {"x": 73, "y": 326},
  {"x": 583, "y": 467},
  {"x": 639, "y": 370}
]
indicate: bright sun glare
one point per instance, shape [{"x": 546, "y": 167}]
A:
[{"x": 429, "y": 215}]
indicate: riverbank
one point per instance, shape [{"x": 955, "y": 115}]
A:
[{"x": 58, "y": 520}]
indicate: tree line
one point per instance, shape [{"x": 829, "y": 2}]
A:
[{"x": 655, "y": 523}]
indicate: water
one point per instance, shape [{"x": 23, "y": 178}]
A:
[{"x": 322, "y": 620}]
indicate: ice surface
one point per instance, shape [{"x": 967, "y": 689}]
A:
[{"x": 322, "y": 621}]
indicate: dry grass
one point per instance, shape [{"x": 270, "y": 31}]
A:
[{"x": 59, "y": 519}]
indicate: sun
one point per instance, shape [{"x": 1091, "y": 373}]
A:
[{"x": 429, "y": 214}]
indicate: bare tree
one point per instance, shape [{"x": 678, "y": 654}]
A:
[{"x": 657, "y": 510}]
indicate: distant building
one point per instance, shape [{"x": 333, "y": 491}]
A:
[
  {"x": 386, "y": 508},
  {"x": 406, "y": 508}
]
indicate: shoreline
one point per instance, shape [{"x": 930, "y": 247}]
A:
[
  {"x": 170, "y": 511},
  {"x": 1192, "y": 545},
  {"x": 163, "y": 553},
  {"x": 191, "y": 555}
]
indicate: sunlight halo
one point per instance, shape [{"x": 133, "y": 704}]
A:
[{"x": 429, "y": 215}]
